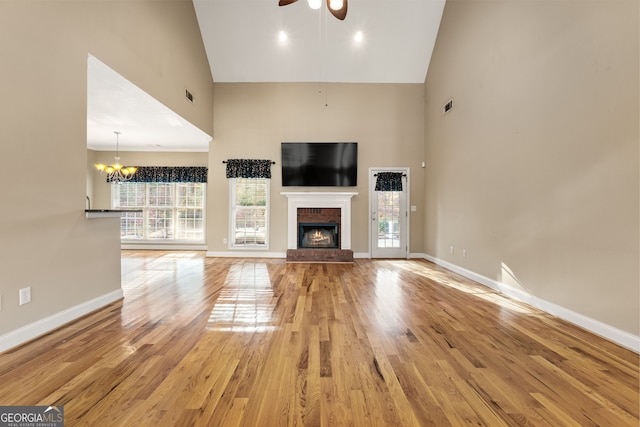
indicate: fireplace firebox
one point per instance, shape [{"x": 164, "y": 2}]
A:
[{"x": 318, "y": 235}]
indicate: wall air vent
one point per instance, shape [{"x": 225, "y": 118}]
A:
[
  {"x": 447, "y": 107},
  {"x": 190, "y": 96}
]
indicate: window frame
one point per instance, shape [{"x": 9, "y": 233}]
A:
[{"x": 231, "y": 239}]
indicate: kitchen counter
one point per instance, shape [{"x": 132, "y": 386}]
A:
[{"x": 108, "y": 213}]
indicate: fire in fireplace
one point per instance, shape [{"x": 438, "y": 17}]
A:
[{"x": 317, "y": 235}]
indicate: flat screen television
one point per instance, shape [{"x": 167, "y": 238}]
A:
[{"x": 320, "y": 164}]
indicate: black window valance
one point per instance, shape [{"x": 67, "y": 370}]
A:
[
  {"x": 170, "y": 174},
  {"x": 248, "y": 168},
  {"x": 389, "y": 181}
]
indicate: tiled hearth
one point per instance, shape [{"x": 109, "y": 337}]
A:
[{"x": 322, "y": 208}]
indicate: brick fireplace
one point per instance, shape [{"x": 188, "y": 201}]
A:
[{"x": 319, "y": 227}]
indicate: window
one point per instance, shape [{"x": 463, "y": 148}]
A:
[
  {"x": 170, "y": 211},
  {"x": 249, "y": 212}
]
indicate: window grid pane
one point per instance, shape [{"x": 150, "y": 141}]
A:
[
  {"x": 170, "y": 211},
  {"x": 251, "y": 192},
  {"x": 160, "y": 223},
  {"x": 131, "y": 225},
  {"x": 250, "y": 212},
  {"x": 388, "y": 219},
  {"x": 189, "y": 195},
  {"x": 189, "y": 224},
  {"x": 131, "y": 195},
  {"x": 250, "y": 226},
  {"x": 160, "y": 194}
]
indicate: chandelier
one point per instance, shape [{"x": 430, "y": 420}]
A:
[{"x": 116, "y": 173}]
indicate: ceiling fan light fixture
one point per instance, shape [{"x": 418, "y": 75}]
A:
[{"x": 338, "y": 8}]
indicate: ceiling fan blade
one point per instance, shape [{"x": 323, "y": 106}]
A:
[
  {"x": 339, "y": 13},
  {"x": 286, "y": 2}
]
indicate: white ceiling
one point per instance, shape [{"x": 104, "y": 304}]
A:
[
  {"x": 241, "y": 40},
  {"x": 116, "y": 104},
  {"x": 242, "y": 44}
]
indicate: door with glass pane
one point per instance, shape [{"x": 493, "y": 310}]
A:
[{"x": 389, "y": 215}]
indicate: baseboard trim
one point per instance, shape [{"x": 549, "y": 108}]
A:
[
  {"x": 163, "y": 247},
  {"x": 48, "y": 324},
  {"x": 611, "y": 333},
  {"x": 412, "y": 255},
  {"x": 257, "y": 254},
  {"x": 247, "y": 254}
]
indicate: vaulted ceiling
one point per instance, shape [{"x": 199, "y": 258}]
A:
[
  {"x": 395, "y": 40},
  {"x": 380, "y": 41}
]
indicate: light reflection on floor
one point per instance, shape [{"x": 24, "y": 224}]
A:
[
  {"x": 389, "y": 299},
  {"x": 182, "y": 267},
  {"x": 246, "y": 301},
  {"x": 506, "y": 304},
  {"x": 143, "y": 275}
]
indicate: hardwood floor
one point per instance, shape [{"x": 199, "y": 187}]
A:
[{"x": 226, "y": 342}]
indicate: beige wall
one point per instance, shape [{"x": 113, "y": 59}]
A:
[
  {"x": 251, "y": 120},
  {"x": 535, "y": 172},
  {"x": 47, "y": 243}
]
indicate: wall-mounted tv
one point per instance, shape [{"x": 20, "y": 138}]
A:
[{"x": 320, "y": 164}]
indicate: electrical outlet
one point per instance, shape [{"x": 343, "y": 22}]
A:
[
  {"x": 451, "y": 250},
  {"x": 224, "y": 240},
  {"x": 464, "y": 253},
  {"x": 25, "y": 295}
]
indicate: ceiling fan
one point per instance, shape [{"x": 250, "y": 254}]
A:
[{"x": 338, "y": 8}]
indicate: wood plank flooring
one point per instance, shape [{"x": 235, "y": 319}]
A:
[{"x": 253, "y": 342}]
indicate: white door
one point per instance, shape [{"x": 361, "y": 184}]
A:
[{"x": 389, "y": 217}]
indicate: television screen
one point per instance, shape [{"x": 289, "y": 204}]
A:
[{"x": 320, "y": 164}]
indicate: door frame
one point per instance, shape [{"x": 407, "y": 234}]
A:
[{"x": 372, "y": 183}]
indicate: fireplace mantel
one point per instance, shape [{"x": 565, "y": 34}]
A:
[{"x": 311, "y": 199}]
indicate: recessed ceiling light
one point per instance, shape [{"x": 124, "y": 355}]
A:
[
  {"x": 358, "y": 37},
  {"x": 282, "y": 37}
]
